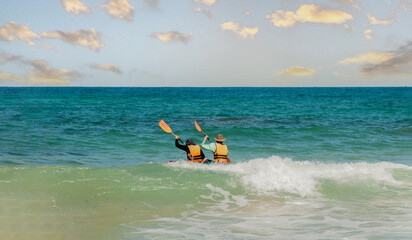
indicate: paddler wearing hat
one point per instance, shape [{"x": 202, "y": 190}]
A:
[
  {"x": 193, "y": 151},
  {"x": 219, "y": 150}
]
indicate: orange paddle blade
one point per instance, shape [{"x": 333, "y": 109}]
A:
[
  {"x": 228, "y": 160},
  {"x": 165, "y": 127},
  {"x": 198, "y": 127}
]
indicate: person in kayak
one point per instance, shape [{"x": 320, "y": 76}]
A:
[
  {"x": 219, "y": 150},
  {"x": 193, "y": 151}
]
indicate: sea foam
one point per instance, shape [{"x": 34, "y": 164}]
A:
[{"x": 271, "y": 175}]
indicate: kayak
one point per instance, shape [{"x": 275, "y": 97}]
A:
[{"x": 210, "y": 162}]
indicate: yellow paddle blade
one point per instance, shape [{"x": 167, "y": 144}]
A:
[
  {"x": 165, "y": 127},
  {"x": 198, "y": 127}
]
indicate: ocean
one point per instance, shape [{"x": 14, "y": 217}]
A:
[{"x": 307, "y": 163}]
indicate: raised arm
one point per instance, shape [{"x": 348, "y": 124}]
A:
[
  {"x": 210, "y": 147},
  {"x": 180, "y": 146}
]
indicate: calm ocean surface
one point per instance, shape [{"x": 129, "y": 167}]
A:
[{"x": 308, "y": 163}]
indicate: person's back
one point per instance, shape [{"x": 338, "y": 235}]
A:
[
  {"x": 221, "y": 153},
  {"x": 194, "y": 152},
  {"x": 219, "y": 150}
]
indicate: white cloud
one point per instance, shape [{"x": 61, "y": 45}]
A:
[
  {"x": 406, "y": 5},
  {"x": 297, "y": 72},
  {"x": 240, "y": 31},
  {"x": 172, "y": 36},
  {"x": 12, "y": 31},
  {"x": 308, "y": 13},
  {"x": 10, "y": 77},
  {"x": 87, "y": 38},
  {"x": 374, "y": 21},
  {"x": 41, "y": 73},
  {"x": 205, "y": 11},
  {"x": 107, "y": 67},
  {"x": 44, "y": 75},
  {"x": 398, "y": 63},
  {"x": 368, "y": 34},
  {"x": 6, "y": 58},
  {"x": 368, "y": 57},
  {"x": 120, "y": 9},
  {"x": 207, "y": 2},
  {"x": 75, "y": 6}
]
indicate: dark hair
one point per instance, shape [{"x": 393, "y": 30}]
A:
[{"x": 189, "y": 141}]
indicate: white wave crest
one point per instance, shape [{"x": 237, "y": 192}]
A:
[{"x": 276, "y": 174}]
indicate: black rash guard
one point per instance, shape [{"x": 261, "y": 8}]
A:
[{"x": 185, "y": 148}]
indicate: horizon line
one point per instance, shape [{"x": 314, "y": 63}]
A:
[{"x": 205, "y": 87}]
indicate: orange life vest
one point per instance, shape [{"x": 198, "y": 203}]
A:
[
  {"x": 194, "y": 154},
  {"x": 221, "y": 153}
]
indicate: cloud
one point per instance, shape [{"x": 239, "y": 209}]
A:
[
  {"x": 308, "y": 13},
  {"x": 374, "y": 21},
  {"x": 352, "y": 3},
  {"x": 44, "y": 75},
  {"x": 172, "y": 36},
  {"x": 297, "y": 71},
  {"x": 368, "y": 57},
  {"x": 6, "y": 58},
  {"x": 152, "y": 3},
  {"x": 207, "y": 2},
  {"x": 120, "y": 9},
  {"x": 347, "y": 27},
  {"x": 107, "y": 67},
  {"x": 205, "y": 11},
  {"x": 9, "y": 77},
  {"x": 406, "y": 5},
  {"x": 242, "y": 32},
  {"x": 368, "y": 34},
  {"x": 75, "y": 6},
  {"x": 87, "y": 38},
  {"x": 12, "y": 31},
  {"x": 400, "y": 64}
]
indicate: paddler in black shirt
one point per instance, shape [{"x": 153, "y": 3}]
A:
[{"x": 193, "y": 151}]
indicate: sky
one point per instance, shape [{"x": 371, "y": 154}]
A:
[{"x": 206, "y": 43}]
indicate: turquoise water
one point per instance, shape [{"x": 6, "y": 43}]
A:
[
  {"x": 308, "y": 163},
  {"x": 119, "y": 126}
]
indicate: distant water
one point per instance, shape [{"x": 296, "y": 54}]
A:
[{"x": 309, "y": 163}]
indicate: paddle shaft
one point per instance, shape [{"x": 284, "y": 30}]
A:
[
  {"x": 178, "y": 139},
  {"x": 206, "y": 135},
  {"x": 200, "y": 130}
]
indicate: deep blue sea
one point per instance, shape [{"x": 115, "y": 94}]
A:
[{"x": 308, "y": 163}]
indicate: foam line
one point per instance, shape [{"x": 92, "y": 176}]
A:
[{"x": 276, "y": 174}]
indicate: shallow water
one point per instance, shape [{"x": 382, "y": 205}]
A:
[{"x": 262, "y": 198}]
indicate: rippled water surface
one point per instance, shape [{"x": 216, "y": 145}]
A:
[{"x": 308, "y": 163}]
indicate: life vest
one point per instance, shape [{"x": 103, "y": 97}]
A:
[
  {"x": 194, "y": 153},
  {"x": 221, "y": 153}
]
